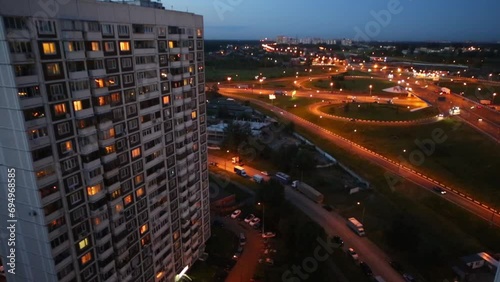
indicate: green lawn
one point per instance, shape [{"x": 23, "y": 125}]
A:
[
  {"x": 358, "y": 73},
  {"x": 383, "y": 112},
  {"x": 213, "y": 74},
  {"x": 464, "y": 234},
  {"x": 471, "y": 90},
  {"x": 354, "y": 85}
]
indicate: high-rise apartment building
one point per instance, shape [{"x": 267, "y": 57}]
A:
[{"x": 102, "y": 117}]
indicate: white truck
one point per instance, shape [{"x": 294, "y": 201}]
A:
[
  {"x": 445, "y": 90},
  {"x": 356, "y": 226},
  {"x": 240, "y": 171},
  {"x": 308, "y": 191}
]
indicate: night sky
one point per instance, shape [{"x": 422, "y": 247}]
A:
[{"x": 411, "y": 20}]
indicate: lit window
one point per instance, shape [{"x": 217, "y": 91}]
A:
[
  {"x": 83, "y": 243},
  {"x": 136, "y": 152},
  {"x": 139, "y": 192},
  {"x": 166, "y": 100},
  {"x": 115, "y": 98},
  {"x": 124, "y": 46},
  {"x": 176, "y": 235},
  {"x": 66, "y": 147},
  {"x": 77, "y": 106},
  {"x": 92, "y": 190},
  {"x": 118, "y": 207},
  {"x": 86, "y": 258},
  {"x": 94, "y": 46},
  {"x": 101, "y": 101},
  {"x": 138, "y": 179},
  {"x": 193, "y": 114},
  {"x": 127, "y": 200},
  {"x": 144, "y": 228},
  {"x": 53, "y": 69},
  {"x": 60, "y": 109},
  {"x": 171, "y": 44},
  {"x": 49, "y": 48},
  {"x": 110, "y": 149},
  {"x": 99, "y": 83}
]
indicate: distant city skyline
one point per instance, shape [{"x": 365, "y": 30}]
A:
[{"x": 400, "y": 20}]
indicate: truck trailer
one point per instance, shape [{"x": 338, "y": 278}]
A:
[
  {"x": 258, "y": 178},
  {"x": 240, "y": 171},
  {"x": 356, "y": 226},
  {"x": 308, "y": 191}
]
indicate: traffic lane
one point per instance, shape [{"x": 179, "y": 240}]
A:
[
  {"x": 334, "y": 224},
  {"x": 472, "y": 207},
  {"x": 247, "y": 264},
  {"x": 229, "y": 166}
]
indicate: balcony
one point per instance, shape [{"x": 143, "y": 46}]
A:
[
  {"x": 51, "y": 197},
  {"x": 103, "y": 240},
  {"x": 150, "y": 109},
  {"x": 30, "y": 102},
  {"x": 145, "y": 66},
  {"x": 106, "y": 254},
  {"x": 175, "y": 64},
  {"x": 108, "y": 158},
  {"x": 186, "y": 88},
  {"x": 84, "y": 113},
  {"x": 185, "y": 223},
  {"x": 185, "y": 214},
  {"x": 77, "y": 95},
  {"x": 93, "y": 35},
  {"x": 193, "y": 199},
  {"x": 145, "y": 51},
  {"x": 185, "y": 63},
  {"x": 43, "y": 162},
  {"x": 95, "y": 54},
  {"x": 99, "y": 91},
  {"x": 105, "y": 125},
  {"x": 39, "y": 142},
  {"x": 148, "y": 95},
  {"x": 54, "y": 215},
  {"x": 79, "y": 74},
  {"x": 102, "y": 109},
  {"x": 184, "y": 205},
  {"x": 176, "y": 77},
  {"x": 186, "y": 234},
  {"x": 41, "y": 182},
  {"x": 97, "y": 196},
  {"x": 22, "y": 57},
  {"x": 28, "y": 79},
  {"x": 185, "y": 50},
  {"x": 111, "y": 173},
  {"x": 89, "y": 130},
  {"x": 92, "y": 165},
  {"x": 97, "y": 72},
  {"x": 75, "y": 55},
  {"x": 175, "y": 51},
  {"x": 72, "y": 35}
]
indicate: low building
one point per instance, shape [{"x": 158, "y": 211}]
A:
[{"x": 217, "y": 132}]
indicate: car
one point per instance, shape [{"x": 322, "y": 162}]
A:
[
  {"x": 270, "y": 251},
  {"x": 409, "y": 278},
  {"x": 268, "y": 235},
  {"x": 237, "y": 255},
  {"x": 254, "y": 221},
  {"x": 264, "y": 173},
  {"x": 352, "y": 253},
  {"x": 479, "y": 107},
  {"x": 439, "y": 190},
  {"x": 338, "y": 240},
  {"x": 268, "y": 261},
  {"x": 236, "y": 213},
  {"x": 365, "y": 268},
  {"x": 249, "y": 217},
  {"x": 396, "y": 266},
  {"x": 441, "y": 115}
]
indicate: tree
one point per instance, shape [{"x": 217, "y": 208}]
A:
[
  {"x": 236, "y": 134},
  {"x": 305, "y": 160}
]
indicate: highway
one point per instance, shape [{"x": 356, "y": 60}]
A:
[
  {"x": 464, "y": 201},
  {"x": 333, "y": 223}
]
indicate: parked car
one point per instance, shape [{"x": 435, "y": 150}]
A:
[
  {"x": 237, "y": 255},
  {"x": 268, "y": 261},
  {"x": 265, "y": 173},
  {"x": 338, "y": 240},
  {"x": 366, "y": 269},
  {"x": 439, "y": 190},
  {"x": 270, "y": 251},
  {"x": 254, "y": 221},
  {"x": 236, "y": 213},
  {"x": 268, "y": 235},
  {"x": 352, "y": 253},
  {"x": 409, "y": 278},
  {"x": 249, "y": 218}
]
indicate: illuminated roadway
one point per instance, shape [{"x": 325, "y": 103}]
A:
[{"x": 392, "y": 166}]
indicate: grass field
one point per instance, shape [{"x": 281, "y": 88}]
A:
[
  {"x": 213, "y": 74},
  {"x": 354, "y": 85},
  {"x": 471, "y": 90},
  {"x": 465, "y": 234},
  {"x": 382, "y": 112}
]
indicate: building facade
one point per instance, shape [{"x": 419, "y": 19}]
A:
[{"x": 102, "y": 117}]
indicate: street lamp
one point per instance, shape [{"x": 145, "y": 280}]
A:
[
  {"x": 225, "y": 161},
  {"x": 263, "y": 215},
  {"x": 399, "y": 166},
  {"x": 371, "y": 86},
  {"x": 331, "y": 87},
  {"x": 229, "y": 79},
  {"x": 493, "y": 100},
  {"x": 363, "y": 213},
  {"x": 261, "y": 80}
]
